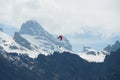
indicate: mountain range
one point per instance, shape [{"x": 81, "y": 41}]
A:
[
  {"x": 32, "y": 39},
  {"x": 58, "y": 66},
  {"x": 32, "y": 53}
]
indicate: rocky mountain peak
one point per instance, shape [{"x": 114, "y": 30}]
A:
[
  {"x": 32, "y": 27},
  {"x": 113, "y": 47}
]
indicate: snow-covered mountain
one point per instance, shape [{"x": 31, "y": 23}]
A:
[
  {"x": 9, "y": 45},
  {"x": 93, "y": 55},
  {"x": 35, "y": 44},
  {"x": 33, "y": 37}
]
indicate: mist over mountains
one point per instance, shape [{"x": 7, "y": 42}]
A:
[{"x": 10, "y": 30}]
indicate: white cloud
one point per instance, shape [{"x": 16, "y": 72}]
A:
[{"x": 65, "y": 16}]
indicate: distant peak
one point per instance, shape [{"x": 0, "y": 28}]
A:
[
  {"x": 31, "y": 27},
  {"x": 32, "y": 21},
  {"x": 86, "y": 48},
  {"x": 1, "y": 29},
  {"x": 117, "y": 42},
  {"x": 113, "y": 47}
]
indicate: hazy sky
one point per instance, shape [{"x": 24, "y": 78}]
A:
[{"x": 85, "y": 22}]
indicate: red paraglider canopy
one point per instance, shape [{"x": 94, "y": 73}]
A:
[{"x": 60, "y": 37}]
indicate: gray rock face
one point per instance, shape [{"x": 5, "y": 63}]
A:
[
  {"x": 113, "y": 47},
  {"x": 21, "y": 40},
  {"x": 91, "y": 53},
  {"x": 13, "y": 47},
  {"x": 32, "y": 28},
  {"x": 108, "y": 48},
  {"x": 116, "y": 46},
  {"x": 86, "y": 48}
]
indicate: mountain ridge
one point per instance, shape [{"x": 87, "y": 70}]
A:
[{"x": 33, "y": 40}]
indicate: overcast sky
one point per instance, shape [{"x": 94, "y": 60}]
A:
[{"x": 98, "y": 20}]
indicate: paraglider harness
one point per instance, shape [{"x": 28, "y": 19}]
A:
[{"x": 60, "y": 39}]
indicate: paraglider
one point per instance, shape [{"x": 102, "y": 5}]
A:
[{"x": 60, "y": 37}]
